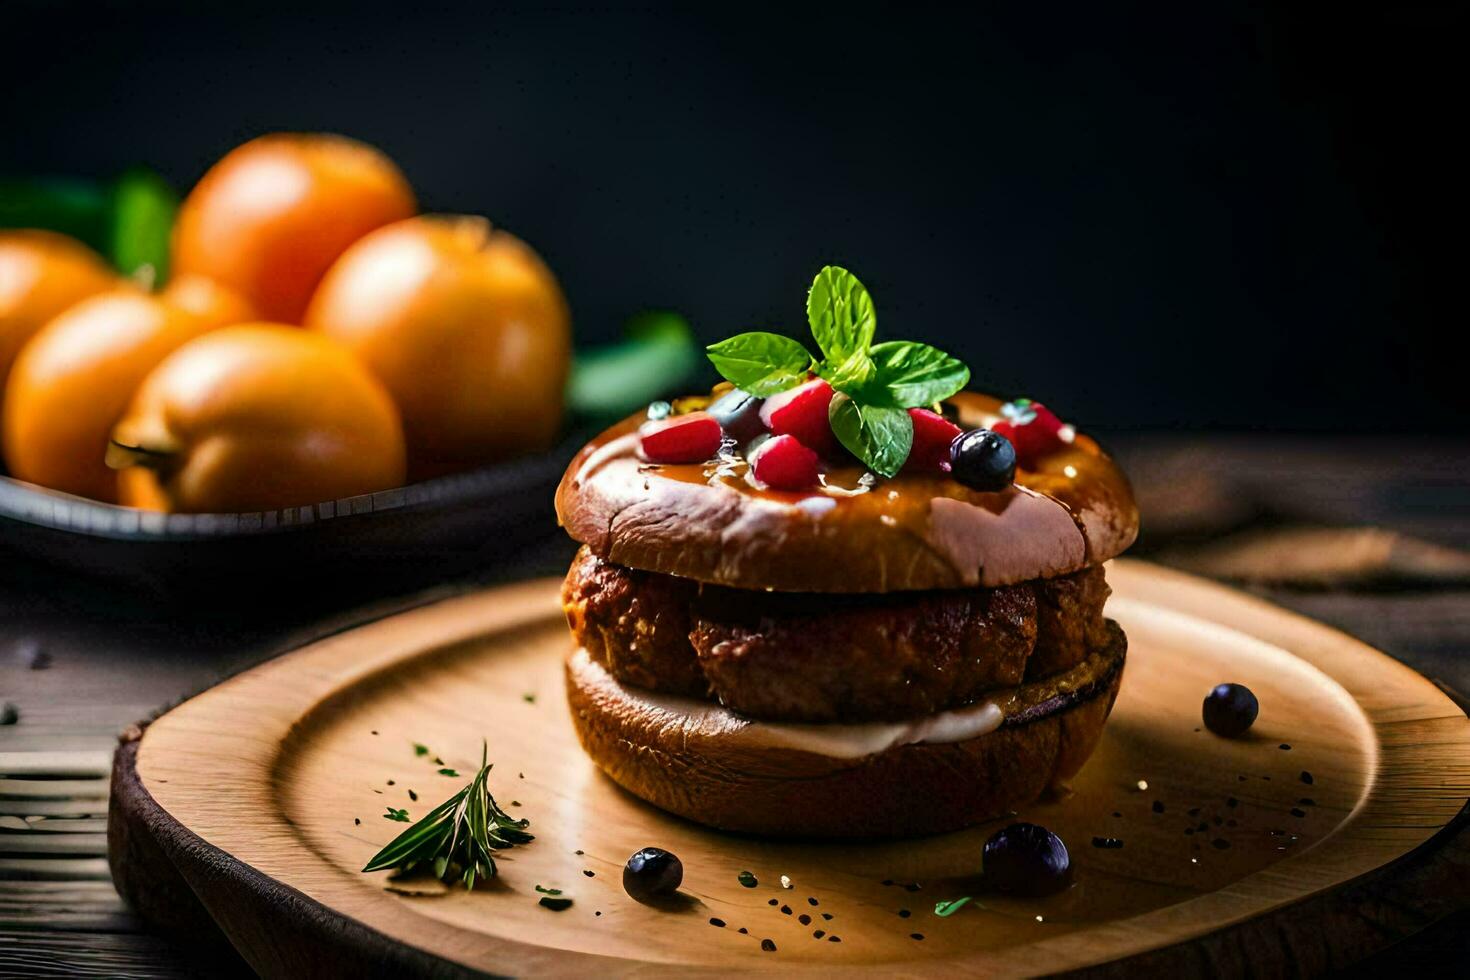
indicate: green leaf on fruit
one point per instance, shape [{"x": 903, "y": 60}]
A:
[
  {"x": 763, "y": 364},
  {"x": 915, "y": 375},
  {"x": 879, "y": 435},
  {"x": 841, "y": 315},
  {"x": 875, "y": 384}
]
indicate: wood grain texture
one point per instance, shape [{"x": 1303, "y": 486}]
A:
[{"x": 250, "y": 792}]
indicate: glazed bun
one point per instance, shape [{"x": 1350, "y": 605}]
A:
[
  {"x": 703, "y": 762},
  {"x": 913, "y": 532}
]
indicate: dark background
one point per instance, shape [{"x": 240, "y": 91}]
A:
[{"x": 1167, "y": 216}]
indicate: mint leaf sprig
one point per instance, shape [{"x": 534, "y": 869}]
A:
[{"x": 875, "y": 384}]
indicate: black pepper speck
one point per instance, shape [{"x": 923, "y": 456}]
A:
[
  {"x": 1232, "y": 802},
  {"x": 1107, "y": 843},
  {"x": 785, "y": 910},
  {"x": 356, "y": 822},
  {"x": 717, "y": 923},
  {"x": 1158, "y": 806},
  {"x": 1306, "y": 777},
  {"x": 744, "y": 931},
  {"x": 827, "y": 916},
  {"x": 1284, "y": 747},
  {"x": 834, "y": 939},
  {"x": 1298, "y": 812},
  {"x": 590, "y": 874},
  {"x": 774, "y": 901},
  {"x": 911, "y": 887},
  {"x": 804, "y": 919},
  {"x": 916, "y": 935},
  {"x": 812, "y": 902},
  {"x": 768, "y": 946},
  {"x": 904, "y": 913},
  {"x": 819, "y": 933},
  {"x": 1306, "y": 801},
  {"x": 1220, "y": 844}
]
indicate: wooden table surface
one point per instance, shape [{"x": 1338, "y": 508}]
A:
[{"x": 1285, "y": 516}]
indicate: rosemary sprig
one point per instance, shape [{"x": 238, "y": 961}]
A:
[{"x": 458, "y": 838}]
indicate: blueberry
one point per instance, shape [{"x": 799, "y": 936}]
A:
[
  {"x": 982, "y": 460},
  {"x": 1024, "y": 859},
  {"x": 1230, "y": 709},
  {"x": 652, "y": 873},
  {"x": 739, "y": 414}
]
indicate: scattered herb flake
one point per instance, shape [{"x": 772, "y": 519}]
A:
[
  {"x": 747, "y": 879},
  {"x": 400, "y": 816},
  {"x": 529, "y": 698},
  {"x": 548, "y": 891},
  {"x": 717, "y": 923},
  {"x": 419, "y": 749},
  {"x": 768, "y": 945},
  {"x": 448, "y": 772},
  {"x": 555, "y": 904},
  {"x": 357, "y": 821},
  {"x": 946, "y": 909},
  {"x": 413, "y": 796}
]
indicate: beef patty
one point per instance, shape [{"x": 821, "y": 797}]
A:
[{"x": 811, "y": 657}]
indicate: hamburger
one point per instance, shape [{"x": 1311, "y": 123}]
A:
[{"x": 803, "y": 607}]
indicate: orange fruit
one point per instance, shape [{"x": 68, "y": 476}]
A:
[
  {"x": 467, "y": 329},
  {"x": 270, "y": 217},
  {"x": 254, "y": 417},
  {"x": 208, "y": 300},
  {"x": 74, "y": 378},
  {"x": 41, "y": 274}
]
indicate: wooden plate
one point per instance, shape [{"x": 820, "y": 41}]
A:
[{"x": 267, "y": 795}]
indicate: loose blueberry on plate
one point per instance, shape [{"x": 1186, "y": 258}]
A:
[
  {"x": 1230, "y": 709},
  {"x": 982, "y": 460},
  {"x": 1025, "y": 859},
  {"x": 739, "y": 414},
  {"x": 652, "y": 873}
]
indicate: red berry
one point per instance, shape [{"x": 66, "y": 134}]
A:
[
  {"x": 783, "y": 463},
  {"x": 1032, "y": 428},
  {"x": 802, "y": 412},
  {"x": 691, "y": 438},
  {"x": 932, "y": 435}
]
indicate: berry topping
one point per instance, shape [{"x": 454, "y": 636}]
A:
[
  {"x": 783, "y": 463},
  {"x": 691, "y": 438},
  {"x": 1024, "y": 859},
  {"x": 932, "y": 435},
  {"x": 652, "y": 873},
  {"x": 982, "y": 460},
  {"x": 802, "y": 412},
  {"x": 1033, "y": 429},
  {"x": 739, "y": 414},
  {"x": 1230, "y": 709}
]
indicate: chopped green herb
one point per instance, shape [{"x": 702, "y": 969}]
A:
[
  {"x": 420, "y": 749},
  {"x": 399, "y": 815},
  {"x": 448, "y": 772},
  {"x": 458, "y": 838},
  {"x": 877, "y": 384},
  {"x": 548, "y": 891},
  {"x": 747, "y": 879},
  {"x": 946, "y": 909},
  {"x": 555, "y": 904},
  {"x": 528, "y": 698}
]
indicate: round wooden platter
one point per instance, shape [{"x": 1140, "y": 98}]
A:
[{"x": 263, "y": 797}]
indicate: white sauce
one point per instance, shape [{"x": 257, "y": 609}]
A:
[{"x": 830, "y": 740}]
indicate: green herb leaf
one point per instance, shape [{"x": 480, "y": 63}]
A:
[
  {"x": 841, "y": 315},
  {"x": 763, "y": 364},
  {"x": 143, "y": 208},
  {"x": 879, "y": 435},
  {"x": 913, "y": 375},
  {"x": 946, "y": 909},
  {"x": 399, "y": 815},
  {"x": 852, "y": 375},
  {"x": 420, "y": 749},
  {"x": 548, "y": 891},
  {"x": 448, "y": 772},
  {"x": 457, "y": 838}
]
